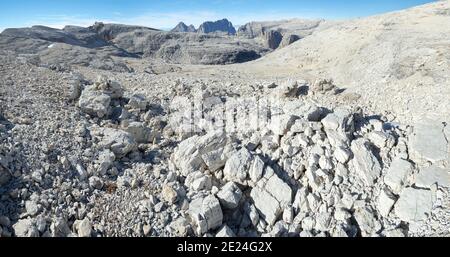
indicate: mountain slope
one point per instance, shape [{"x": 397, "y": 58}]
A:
[{"x": 389, "y": 59}]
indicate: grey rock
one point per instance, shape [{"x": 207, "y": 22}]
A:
[
  {"x": 385, "y": 202},
  {"x": 367, "y": 222},
  {"x": 288, "y": 39},
  {"x": 342, "y": 154},
  {"x": 280, "y": 190},
  {"x": 140, "y": 132},
  {"x": 428, "y": 142},
  {"x": 206, "y": 214},
  {"x": 397, "y": 174},
  {"x": 225, "y": 231},
  {"x": 169, "y": 194},
  {"x": 94, "y": 102},
  {"x": 95, "y": 182},
  {"x": 84, "y": 228},
  {"x": 230, "y": 195},
  {"x": 364, "y": 162},
  {"x": 32, "y": 207},
  {"x": 237, "y": 166},
  {"x": 433, "y": 175},
  {"x": 138, "y": 102},
  {"x": 24, "y": 228},
  {"x": 119, "y": 142},
  {"x": 4, "y": 175},
  {"x": 256, "y": 169},
  {"x": 414, "y": 204},
  {"x": 272, "y": 39},
  {"x": 187, "y": 157},
  {"x": 266, "y": 204}
]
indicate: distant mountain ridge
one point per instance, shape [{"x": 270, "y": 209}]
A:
[{"x": 182, "y": 27}]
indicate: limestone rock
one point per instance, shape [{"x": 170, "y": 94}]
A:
[
  {"x": 280, "y": 190},
  {"x": 266, "y": 204},
  {"x": 414, "y": 204},
  {"x": 206, "y": 214},
  {"x": 431, "y": 175},
  {"x": 230, "y": 195},
  {"x": 25, "y": 228},
  {"x": 140, "y": 132},
  {"x": 188, "y": 156},
  {"x": 365, "y": 163},
  {"x": 169, "y": 194},
  {"x": 397, "y": 174},
  {"x": 217, "y": 26},
  {"x": 119, "y": 142},
  {"x": 385, "y": 202},
  {"x": 237, "y": 166},
  {"x": 367, "y": 222},
  {"x": 428, "y": 141},
  {"x": 94, "y": 103},
  {"x": 225, "y": 231},
  {"x": 84, "y": 228}
]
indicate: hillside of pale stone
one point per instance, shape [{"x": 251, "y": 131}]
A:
[{"x": 189, "y": 150}]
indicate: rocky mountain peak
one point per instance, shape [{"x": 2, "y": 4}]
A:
[
  {"x": 223, "y": 25},
  {"x": 182, "y": 27}
]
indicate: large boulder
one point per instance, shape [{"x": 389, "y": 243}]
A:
[
  {"x": 195, "y": 152},
  {"x": 205, "y": 214},
  {"x": 94, "y": 102},
  {"x": 118, "y": 141},
  {"x": 271, "y": 196}
]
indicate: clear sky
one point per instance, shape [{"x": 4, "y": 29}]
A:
[{"x": 165, "y": 14}]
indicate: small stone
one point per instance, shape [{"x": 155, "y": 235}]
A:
[
  {"x": 367, "y": 222},
  {"x": 288, "y": 214},
  {"x": 428, "y": 141},
  {"x": 256, "y": 169},
  {"x": 206, "y": 214},
  {"x": 225, "y": 231},
  {"x": 94, "y": 102},
  {"x": 23, "y": 228},
  {"x": 32, "y": 208},
  {"x": 95, "y": 182},
  {"x": 342, "y": 154},
  {"x": 169, "y": 194}
]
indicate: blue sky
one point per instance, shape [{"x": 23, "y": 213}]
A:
[{"x": 166, "y": 14}]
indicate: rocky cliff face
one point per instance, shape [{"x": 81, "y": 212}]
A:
[
  {"x": 217, "y": 26},
  {"x": 281, "y": 33}
]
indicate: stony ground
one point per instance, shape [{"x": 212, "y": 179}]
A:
[
  {"x": 89, "y": 153},
  {"x": 242, "y": 150}
]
